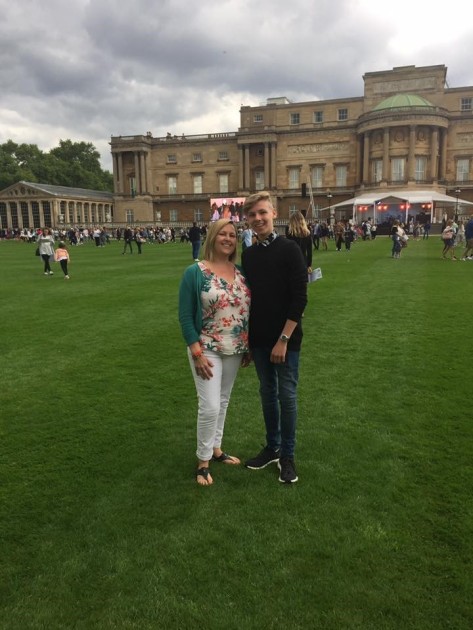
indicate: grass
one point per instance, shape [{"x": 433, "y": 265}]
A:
[{"x": 102, "y": 524}]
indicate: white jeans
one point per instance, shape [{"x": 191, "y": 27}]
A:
[{"x": 214, "y": 396}]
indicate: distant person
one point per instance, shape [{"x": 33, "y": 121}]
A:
[
  {"x": 298, "y": 231},
  {"x": 448, "y": 237},
  {"x": 128, "y": 237},
  {"x": 45, "y": 243},
  {"x": 468, "y": 253},
  {"x": 246, "y": 237},
  {"x": 61, "y": 255},
  {"x": 195, "y": 237},
  {"x": 214, "y": 303}
]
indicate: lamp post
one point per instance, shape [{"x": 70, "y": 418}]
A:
[
  {"x": 457, "y": 194},
  {"x": 329, "y": 199}
]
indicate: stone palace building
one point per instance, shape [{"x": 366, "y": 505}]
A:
[{"x": 405, "y": 146}]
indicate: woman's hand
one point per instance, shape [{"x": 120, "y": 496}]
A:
[
  {"x": 246, "y": 360},
  {"x": 203, "y": 367}
]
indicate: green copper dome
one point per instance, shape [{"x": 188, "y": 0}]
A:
[{"x": 403, "y": 100}]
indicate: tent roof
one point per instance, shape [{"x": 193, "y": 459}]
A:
[{"x": 411, "y": 196}]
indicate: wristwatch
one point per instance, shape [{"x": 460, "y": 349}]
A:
[{"x": 284, "y": 338}]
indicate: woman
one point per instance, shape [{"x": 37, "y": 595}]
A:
[
  {"x": 397, "y": 236},
  {"x": 339, "y": 231},
  {"x": 214, "y": 304},
  {"x": 45, "y": 242},
  {"x": 448, "y": 237},
  {"x": 299, "y": 232}
]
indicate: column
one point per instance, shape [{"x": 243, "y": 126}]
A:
[
  {"x": 144, "y": 188},
  {"x": 434, "y": 151},
  {"x": 247, "y": 166},
  {"x": 267, "y": 178},
  {"x": 120, "y": 173},
  {"x": 115, "y": 171},
  {"x": 411, "y": 159},
  {"x": 274, "y": 182},
  {"x": 443, "y": 155},
  {"x": 30, "y": 214},
  {"x": 366, "y": 158},
  {"x": 386, "y": 155},
  {"x": 241, "y": 183},
  {"x": 137, "y": 173}
]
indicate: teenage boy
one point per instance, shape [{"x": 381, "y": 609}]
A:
[{"x": 277, "y": 274}]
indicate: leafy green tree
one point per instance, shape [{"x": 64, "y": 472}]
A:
[{"x": 74, "y": 164}]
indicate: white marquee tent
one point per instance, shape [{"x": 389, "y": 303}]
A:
[{"x": 407, "y": 197}]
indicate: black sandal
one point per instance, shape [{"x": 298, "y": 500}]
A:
[
  {"x": 202, "y": 472},
  {"x": 224, "y": 457}
]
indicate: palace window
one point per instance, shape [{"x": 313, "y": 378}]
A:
[
  {"x": 377, "y": 170},
  {"x": 257, "y": 118},
  {"x": 14, "y": 215},
  {"x": 132, "y": 183},
  {"x": 421, "y": 169},
  {"x": 130, "y": 217},
  {"x": 25, "y": 219},
  {"x": 173, "y": 215},
  {"x": 292, "y": 209},
  {"x": 318, "y": 117},
  {"x": 317, "y": 176},
  {"x": 463, "y": 170},
  {"x": 197, "y": 157},
  {"x": 293, "y": 176},
  {"x": 172, "y": 184},
  {"x": 397, "y": 169},
  {"x": 35, "y": 213},
  {"x": 259, "y": 180},
  {"x": 341, "y": 172},
  {"x": 3, "y": 216},
  {"x": 198, "y": 215},
  {"x": 197, "y": 181},
  {"x": 343, "y": 114},
  {"x": 223, "y": 155},
  {"x": 223, "y": 182},
  {"x": 172, "y": 159},
  {"x": 294, "y": 119},
  {"x": 466, "y": 104}
]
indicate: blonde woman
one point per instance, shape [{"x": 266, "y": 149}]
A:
[
  {"x": 298, "y": 231},
  {"x": 214, "y": 308}
]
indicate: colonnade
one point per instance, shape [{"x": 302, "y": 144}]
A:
[
  {"x": 437, "y": 151},
  {"x": 270, "y": 158},
  {"x": 29, "y": 213},
  {"x": 141, "y": 178}
]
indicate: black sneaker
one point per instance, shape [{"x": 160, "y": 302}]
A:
[
  {"x": 287, "y": 470},
  {"x": 264, "y": 457}
]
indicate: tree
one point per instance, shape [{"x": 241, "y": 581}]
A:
[{"x": 73, "y": 164}]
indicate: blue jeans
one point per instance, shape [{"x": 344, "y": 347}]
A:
[
  {"x": 278, "y": 391},
  {"x": 195, "y": 249}
]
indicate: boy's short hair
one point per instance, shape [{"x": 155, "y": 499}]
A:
[{"x": 253, "y": 199}]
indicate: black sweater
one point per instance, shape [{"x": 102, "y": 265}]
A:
[{"x": 277, "y": 275}]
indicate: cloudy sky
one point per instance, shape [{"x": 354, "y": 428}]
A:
[{"x": 89, "y": 69}]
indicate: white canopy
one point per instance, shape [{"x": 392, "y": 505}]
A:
[{"x": 411, "y": 196}]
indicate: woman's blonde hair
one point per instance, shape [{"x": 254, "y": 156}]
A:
[
  {"x": 297, "y": 225},
  {"x": 209, "y": 245}
]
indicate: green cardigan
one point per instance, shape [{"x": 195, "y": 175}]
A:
[{"x": 190, "y": 303}]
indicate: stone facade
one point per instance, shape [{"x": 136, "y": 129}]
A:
[{"x": 408, "y": 131}]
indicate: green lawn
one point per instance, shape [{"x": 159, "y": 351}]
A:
[{"x": 102, "y": 524}]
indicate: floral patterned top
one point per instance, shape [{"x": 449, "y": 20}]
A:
[{"x": 225, "y": 313}]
